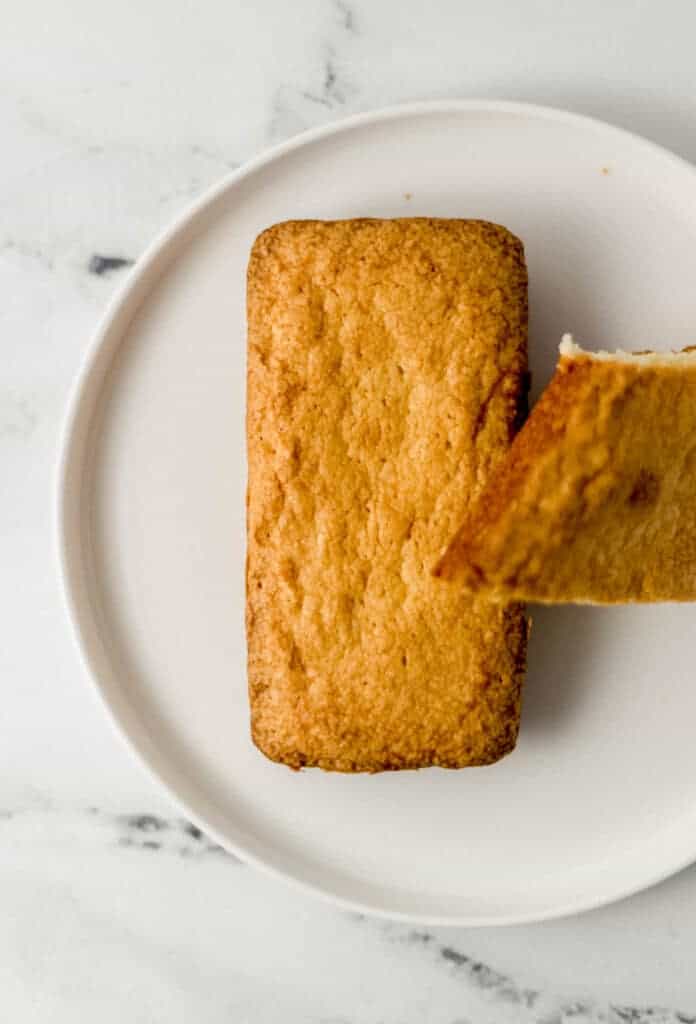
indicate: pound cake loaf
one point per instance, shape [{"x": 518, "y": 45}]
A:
[
  {"x": 387, "y": 364},
  {"x": 595, "y": 501}
]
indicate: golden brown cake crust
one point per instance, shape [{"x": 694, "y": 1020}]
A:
[
  {"x": 386, "y": 367},
  {"x": 595, "y": 500}
]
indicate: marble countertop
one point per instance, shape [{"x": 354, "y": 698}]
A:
[{"x": 114, "y": 117}]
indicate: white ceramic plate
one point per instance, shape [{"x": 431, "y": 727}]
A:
[{"x": 599, "y": 799}]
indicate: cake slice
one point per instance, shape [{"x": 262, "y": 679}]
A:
[
  {"x": 387, "y": 364},
  {"x": 596, "y": 500}
]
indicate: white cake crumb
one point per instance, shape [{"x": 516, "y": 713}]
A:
[{"x": 571, "y": 350}]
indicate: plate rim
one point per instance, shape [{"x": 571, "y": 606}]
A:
[{"x": 127, "y": 298}]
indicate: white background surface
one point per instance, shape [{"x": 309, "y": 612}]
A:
[{"x": 113, "y": 118}]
